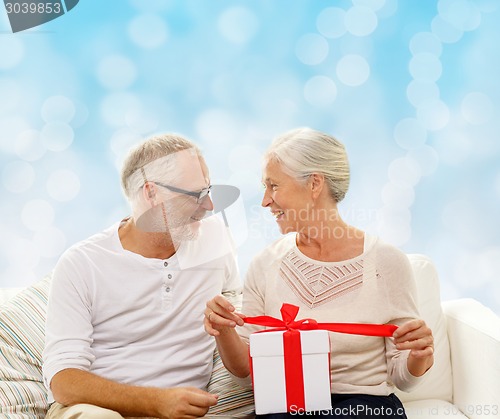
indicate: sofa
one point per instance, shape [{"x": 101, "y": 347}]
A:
[{"x": 463, "y": 383}]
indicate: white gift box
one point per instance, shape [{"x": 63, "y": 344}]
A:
[{"x": 268, "y": 372}]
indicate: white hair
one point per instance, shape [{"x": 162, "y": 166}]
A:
[
  {"x": 152, "y": 160},
  {"x": 304, "y": 151}
]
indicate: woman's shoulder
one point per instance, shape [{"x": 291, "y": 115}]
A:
[
  {"x": 389, "y": 258},
  {"x": 388, "y": 252}
]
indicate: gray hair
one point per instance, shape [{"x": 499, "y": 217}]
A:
[
  {"x": 152, "y": 160},
  {"x": 304, "y": 151}
]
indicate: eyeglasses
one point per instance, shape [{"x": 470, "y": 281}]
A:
[{"x": 200, "y": 196}]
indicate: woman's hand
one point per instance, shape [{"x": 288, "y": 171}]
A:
[
  {"x": 220, "y": 315},
  {"x": 220, "y": 321},
  {"x": 416, "y": 336}
]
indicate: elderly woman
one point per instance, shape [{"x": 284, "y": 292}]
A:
[{"x": 335, "y": 273}]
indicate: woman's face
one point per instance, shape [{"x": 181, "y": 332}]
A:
[{"x": 289, "y": 201}]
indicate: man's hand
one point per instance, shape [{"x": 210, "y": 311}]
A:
[{"x": 184, "y": 403}]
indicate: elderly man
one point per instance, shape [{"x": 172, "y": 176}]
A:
[{"x": 124, "y": 334}]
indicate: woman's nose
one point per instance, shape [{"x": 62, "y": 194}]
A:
[{"x": 266, "y": 200}]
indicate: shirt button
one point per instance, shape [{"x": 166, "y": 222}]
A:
[
  {"x": 165, "y": 264},
  {"x": 169, "y": 276},
  {"x": 167, "y": 289}
]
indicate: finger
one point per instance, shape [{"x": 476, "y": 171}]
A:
[
  {"x": 411, "y": 336},
  {"x": 422, "y": 353},
  {"x": 202, "y": 398},
  {"x": 416, "y": 344},
  {"x": 213, "y": 319},
  {"x": 219, "y": 308},
  {"x": 236, "y": 317},
  {"x": 408, "y": 327},
  {"x": 209, "y": 329},
  {"x": 223, "y": 303},
  {"x": 225, "y": 319}
]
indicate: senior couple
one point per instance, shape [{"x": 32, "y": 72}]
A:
[{"x": 135, "y": 311}]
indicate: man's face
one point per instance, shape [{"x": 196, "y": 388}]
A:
[
  {"x": 181, "y": 210},
  {"x": 174, "y": 197}
]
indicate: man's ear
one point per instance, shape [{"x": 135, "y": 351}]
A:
[{"x": 149, "y": 193}]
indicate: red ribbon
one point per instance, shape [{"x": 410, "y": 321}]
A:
[{"x": 292, "y": 346}]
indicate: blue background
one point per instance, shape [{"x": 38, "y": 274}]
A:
[{"x": 410, "y": 87}]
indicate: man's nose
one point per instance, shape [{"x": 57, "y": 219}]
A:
[{"x": 207, "y": 203}]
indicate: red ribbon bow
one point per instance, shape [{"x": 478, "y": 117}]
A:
[
  {"x": 292, "y": 346},
  {"x": 289, "y": 313}
]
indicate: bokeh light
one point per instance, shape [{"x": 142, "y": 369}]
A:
[
  {"x": 58, "y": 109},
  {"x": 311, "y": 49},
  {"x": 445, "y": 31},
  {"x": 320, "y": 91},
  {"x": 434, "y": 115},
  {"x": 57, "y": 136},
  {"x": 148, "y": 31},
  {"x": 331, "y": 22},
  {"x": 37, "y": 214},
  {"x": 410, "y": 133},
  {"x": 63, "y": 185},
  {"x": 11, "y": 51},
  {"x": 116, "y": 72},
  {"x": 462, "y": 14},
  {"x": 18, "y": 176},
  {"x": 29, "y": 145},
  {"x": 353, "y": 70},
  {"x": 477, "y": 108},
  {"x": 238, "y": 25},
  {"x": 360, "y": 21},
  {"x": 426, "y": 42},
  {"x": 420, "y": 93},
  {"x": 425, "y": 67}
]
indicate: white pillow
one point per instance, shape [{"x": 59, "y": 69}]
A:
[{"x": 437, "y": 382}]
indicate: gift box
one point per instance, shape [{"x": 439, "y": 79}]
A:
[
  {"x": 290, "y": 363},
  {"x": 290, "y": 371}
]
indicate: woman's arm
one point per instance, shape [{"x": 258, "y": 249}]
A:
[{"x": 220, "y": 322}]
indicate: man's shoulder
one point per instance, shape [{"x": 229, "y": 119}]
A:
[{"x": 93, "y": 243}]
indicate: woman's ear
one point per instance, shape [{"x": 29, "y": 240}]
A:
[{"x": 317, "y": 182}]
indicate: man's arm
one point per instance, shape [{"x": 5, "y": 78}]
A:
[{"x": 72, "y": 386}]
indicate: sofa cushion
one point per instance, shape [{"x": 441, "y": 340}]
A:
[
  {"x": 437, "y": 382},
  {"x": 234, "y": 400},
  {"x": 22, "y": 327}
]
